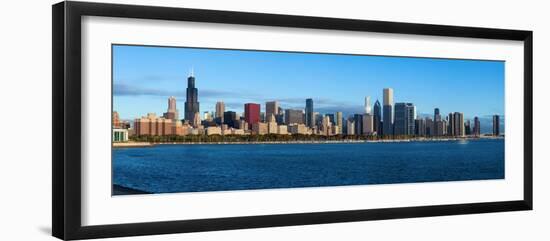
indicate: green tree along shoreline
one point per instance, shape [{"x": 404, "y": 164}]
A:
[{"x": 278, "y": 138}]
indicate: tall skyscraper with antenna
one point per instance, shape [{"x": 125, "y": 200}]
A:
[{"x": 192, "y": 100}]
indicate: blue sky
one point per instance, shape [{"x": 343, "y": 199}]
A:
[{"x": 144, "y": 77}]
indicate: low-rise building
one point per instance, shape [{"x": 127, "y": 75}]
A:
[
  {"x": 227, "y": 131},
  {"x": 197, "y": 131},
  {"x": 237, "y": 131},
  {"x": 259, "y": 128},
  {"x": 180, "y": 129},
  {"x": 120, "y": 135},
  {"x": 152, "y": 125},
  {"x": 282, "y": 130},
  {"x": 213, "y": 130},
  {"x": 297, "y": 129}
]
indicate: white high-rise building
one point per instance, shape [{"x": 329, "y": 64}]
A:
[{"x": 367, "y": 105}]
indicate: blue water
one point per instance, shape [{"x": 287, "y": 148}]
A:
[{"x": 196, "y": 168}]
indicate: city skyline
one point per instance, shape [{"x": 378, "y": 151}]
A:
[
  {"x": 148, "y": 94},
  {"x": 402, "y": 119}
]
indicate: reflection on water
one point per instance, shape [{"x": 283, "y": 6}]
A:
[{"x": 462, "y": 142}]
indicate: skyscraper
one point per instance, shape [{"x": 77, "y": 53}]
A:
[
  {"x": 411, "y": 116},
  {"x": 388, "y": 111},
  {"x": 399, "y": 124},
  {"x": 339, "y": 121},
  {"x": 377, "y": 118},
  {"x": 437, "y": 116},
  {"x": 450, "y": 129},
  {"x": 450, "y": 125},
  {"x": 172, "y": 112},
  {"x": 444, "y": 127},
  {"x": 331, "y": 118},
  {"x": 271, "y": 109},
  {"x": 192, "y": 100},
  {"x": 367, "y": 105},
  {"x": 459, "y": 119},
  {"x": 439, "y": 127},
  {"x": 456, "y": 124},
  {"x": 251, "y": 114},
  {"x": 230, "y": 119},
  {"x": 220, "y": 109},
  {"x": 420, "y": 127},
  {"x": 477, "y": 126},
  {"x": 404, "y": 119},
  {"x": 310, "y": 120},
  {"x": 429, "y": 126},
  {"x": 172, "y": 103},
  {"x": 358, "y": 120},
  {"x": 437, "y": 124},
  {"x": 294, "y": 116},
  {"x": 280, "y": 118},
  {"x": 496, "y": 125},
  {"x": 350, "y": 127},
  {"x": 467, "y": 129},
  {"x": 368, "y": 121}
]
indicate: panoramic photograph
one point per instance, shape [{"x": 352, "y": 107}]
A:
[{"x": 203, "y": 120}]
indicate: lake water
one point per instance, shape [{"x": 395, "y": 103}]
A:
[{"x": 196, "y": 168}]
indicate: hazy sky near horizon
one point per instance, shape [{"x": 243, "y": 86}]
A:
[{"x": 144, "y": 77}]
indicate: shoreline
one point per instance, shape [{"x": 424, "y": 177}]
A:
[
  {"x": 131, "y": 144},
  {"x": 152, "y": 144}
]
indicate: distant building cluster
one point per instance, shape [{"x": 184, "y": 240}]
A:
[{"x": 388, "y": 119}]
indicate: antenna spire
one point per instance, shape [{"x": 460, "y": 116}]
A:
[{"x": 192, "y": 72}]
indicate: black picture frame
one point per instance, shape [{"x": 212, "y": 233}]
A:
[{"x": 66, "y": 159}]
